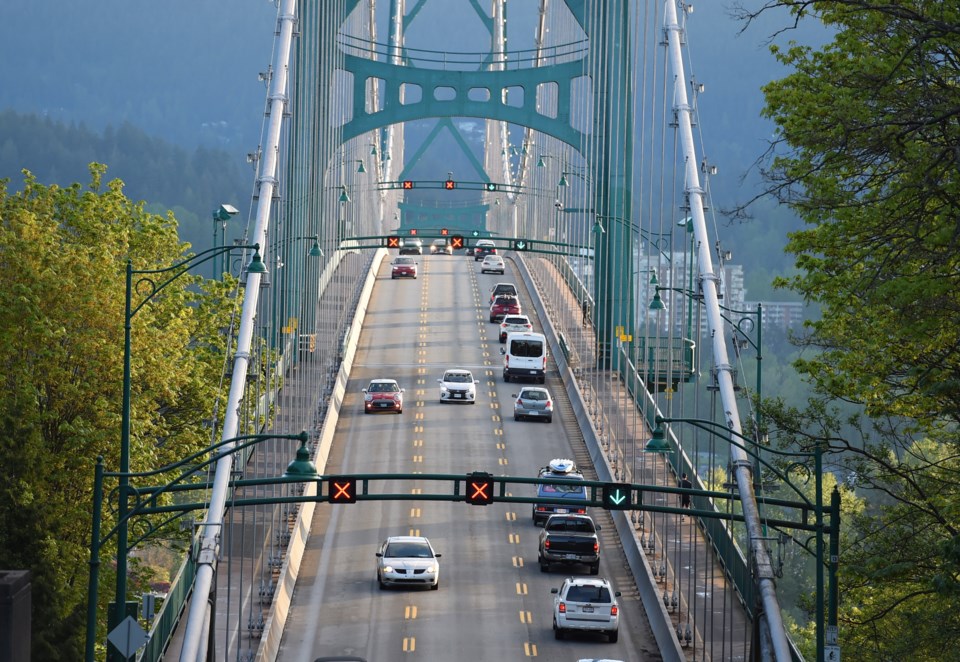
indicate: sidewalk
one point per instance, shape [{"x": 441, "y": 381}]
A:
[{"x": 705, "y": 609}]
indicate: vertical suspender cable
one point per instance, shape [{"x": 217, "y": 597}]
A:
[
  {"x": 743, "y": 466},
  {"x": 209, "y": 543}
]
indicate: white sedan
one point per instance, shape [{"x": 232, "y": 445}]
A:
[
  {"x": 458, "y": 385},
  {"x": 407, "y": 561},
  {"x": 492, "y": 264}
]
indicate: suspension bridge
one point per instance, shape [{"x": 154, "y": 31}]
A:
[{"x": 572, "y": 147}]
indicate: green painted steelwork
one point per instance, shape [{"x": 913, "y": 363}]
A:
[
  {"x": 445, "y": 123},
  {"x": 461, "y": 82},
  {"x": 612, "y": 175}
]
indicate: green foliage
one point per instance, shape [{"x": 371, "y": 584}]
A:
[
  {"x": 63, "y": 253},
  {"x": 866, "y": 155}
]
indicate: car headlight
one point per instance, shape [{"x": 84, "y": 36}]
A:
[
  {"x": 388, "y": 568},
  {"x": 431, "y": 568},
  {"x": 443, "y": 389}
]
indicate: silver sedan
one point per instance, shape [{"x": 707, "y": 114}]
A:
[{"x": 533, "y": 402}]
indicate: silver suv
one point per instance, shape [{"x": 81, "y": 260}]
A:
[{"x": 586, "y": 605}]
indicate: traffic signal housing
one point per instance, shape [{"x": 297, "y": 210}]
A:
[
  {"x": 490, "y": 186},
  {"x": 456, "y": 242},
  {"x": 616, "y": 496},
  {"x": 342, "y": 489},
  {"x": 393, "y": 241},
  {"x": 407, "y": 184},
  {"x": 449, "y": 185},
  {"x": 479, "y": 488}
]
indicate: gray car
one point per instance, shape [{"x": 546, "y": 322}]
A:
[{"x": 533, "y": 402}]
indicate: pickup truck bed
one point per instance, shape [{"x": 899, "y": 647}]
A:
[{"x": 568, "y": 540}]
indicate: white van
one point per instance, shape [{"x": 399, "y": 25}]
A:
[{"x": 525, "y": 356}]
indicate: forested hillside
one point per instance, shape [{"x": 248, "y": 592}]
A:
[{"x": 165, "y": 176}]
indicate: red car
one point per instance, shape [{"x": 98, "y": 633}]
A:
[
  {"x": 403, "y": 267},
  {"x": 504, "y": 305},
  {"x": 383, "y": 395}
]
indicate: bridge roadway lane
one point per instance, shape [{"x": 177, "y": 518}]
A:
[{"x": 493, "y": 602}]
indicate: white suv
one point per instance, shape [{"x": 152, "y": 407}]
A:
[
  {"x": 458, "y": 385},
  {"x": 514, "y": 324},
  {"x": 586, "y": 605}
]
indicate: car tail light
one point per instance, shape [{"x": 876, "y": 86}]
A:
[
  {"x": 506, "y": 360},
  {"x": 596, "y": 547},
  {"x": 519, "y": 402},
  {"x": 546, "y": 544},
  {"x": 581, "y": 511},
  {"x": 541, "y": 509},
  {"x": 549, "y": 405},
  {"x": 614, "y": 610},
  {"x": 562, "y": 608}
]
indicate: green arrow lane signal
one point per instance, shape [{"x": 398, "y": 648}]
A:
[
  {"x": 490, "y": 186},
  {"x": 521, "y": 245},
  {"x": 616, "y": 496}
]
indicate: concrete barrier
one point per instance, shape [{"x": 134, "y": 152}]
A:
[{"x": 277, "y": 620}]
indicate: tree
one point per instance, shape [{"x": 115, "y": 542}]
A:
[
  {"x": 63, "y": 253},
  {"x": 866, "y": 153}
]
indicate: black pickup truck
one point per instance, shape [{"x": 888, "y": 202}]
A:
[{"x": 569, "y": 539}]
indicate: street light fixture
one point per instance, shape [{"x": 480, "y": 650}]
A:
[
  {"x": 824, "y": 616},
  {"x": 301, "y": 469},
  {"x": 221, "y": 215},
  {"x": 153, "y": 288}
]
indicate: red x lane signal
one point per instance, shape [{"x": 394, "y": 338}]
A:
[
  {"x": 480, "y": 488},
  {"x": 407, "y": 184},
  {"x": 393, "y": 242},
  {"x": 342, "y": 489},
  {"x": 449, "y": 185},
  {"x": 456, "y": 241}
]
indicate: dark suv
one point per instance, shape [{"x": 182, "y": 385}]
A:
[
  {"x": 411, "y": 246},
  {"x": 483, "y": 251}
]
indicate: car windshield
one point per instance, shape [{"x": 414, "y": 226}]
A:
[
  {"x": 403, "y": 260},
  {"x": 534, "y": 395},
  {"x": 408, "y": 550},
  {"x": 383, "y": 387},
  {"x": 515, "y": 320},
  {"x": 588, "y": 594},
  {"x": 458, "y": 377}
]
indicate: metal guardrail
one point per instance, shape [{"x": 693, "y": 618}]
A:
[
  {"x": 721, "y": 538},
  {"x": 165, "y": 622}
]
